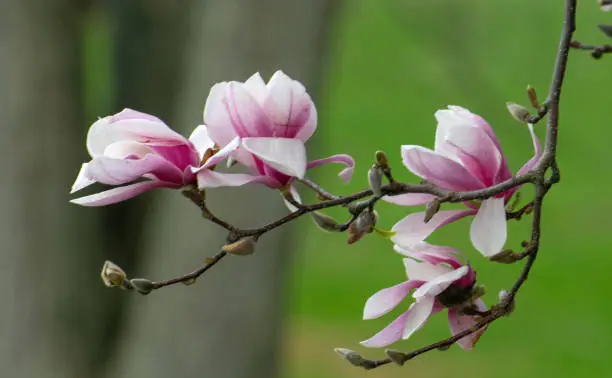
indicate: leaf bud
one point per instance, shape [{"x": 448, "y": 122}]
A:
[
  {"x": 325, "y": 222},
  {"x": 351, "y": 356},
  {"x": 375, "y": 175},
  {"x": 381, "y": 158},
  {"x": 397, "y": 357},
  {"x": 431, "y": 209},
  {"x": 519, "y": 112},
  {"x": 142, "y": 285},
  {"x": 112, "y": 274}
]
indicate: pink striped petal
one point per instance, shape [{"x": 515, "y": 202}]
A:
[
  {"x": 438, "y": 169},
  {"x": 287, "y": 156},
  {"x": 409, "y": 199},
  {"x": 128, "y": 113},
  {"x": 221, "y": 155},
  {"x": 247, "y": 116},
  {"x": 433, "y": 254},
  {"x": 386, "y": 299},
  {"x": 346, "y": 174},
  {"x": 120, "y": 171},
  {"x": 488, "y": 231},
  {"x": 256, "y": 87},
  {"x": 216, "y": 115},
  {"x": 388, "y": 335},
  {"x": 201, "y": 140},
  {"x": 413, "y": 229},
  {"x": 459, "y": 323},
  {"x": 121, "y": 193}
]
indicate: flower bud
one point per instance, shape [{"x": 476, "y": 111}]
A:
[
  {"x": 242, "y": 247},
  {"x": 112, "y": 274},
  {"x": 533, "y": 97},
  {"x": 381, "y": 158},
  {"x": 431, "y": 209},
  {"x": 507, "y": 256},
  {"x": 142, "y": 285},
  {"x": 363, "y": 224},
  {"x": 375, "y": 175},
  {"x": 519, "y": 112},
  {"x": 605, "y": 5},
  {"x": 351, "y": 356},
  {"x": 396, "y": 356},
  {"x": 504, "y": 300},
  {"x": 325, "y": 222}
]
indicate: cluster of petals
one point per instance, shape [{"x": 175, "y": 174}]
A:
[
  {"x": 467, "y": 156},
  {"x": 262, "y": 126},
  {"x": 432, "y": 271}
]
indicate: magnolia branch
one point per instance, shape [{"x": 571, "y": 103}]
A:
[{"x": 596, "y": 51}]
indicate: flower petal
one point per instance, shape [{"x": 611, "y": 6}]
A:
[
  {"x": 418, "y": 313},
  {"x": 433, "y": 254},
  {"x": 201, "y": 140},
  {"x": 120, "y": 171},
  {"x": 247, "y": 116},
  {"x": 221, "y": 155},
  {"x": 438, "y": 169},
  {"x": 256, "y": 87},
  {"x": 459, "y": 323},
  {"x": 488, "y": 231},
  {"x": 409, "y": 199},
  {"x": 214, "y": 179},
  {"x": 82, "y": 180},
  {"x": 440, "y": 283},
  {"x": 287, "y": 156},
  {"x": 216, "y": 115},
  {"x": 388, "y": 335},
  {"x": 346, "y": 174},
  {"x": 386, "y": 299},
  {"x": 423, "y": 271},
  {"x": 538, "y": 152},
  {"x": 413, "y": 229},
  {"x": 121, "y": 193}
]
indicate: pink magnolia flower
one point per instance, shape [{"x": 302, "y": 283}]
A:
[
  {"x": 467, "y": 156},
  {"x": 439, "y": 280},
  {"x": 264, "y": 127},
  {"x": 131, "y": 145}
]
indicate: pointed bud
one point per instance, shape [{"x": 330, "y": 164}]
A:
[
  {"x": 605, "y": 5},
  {"x": 375, "y": 175},
  {"x": 519, "y": 112},
  {"x": 506, "y": 301},
  {"x": 351, "y": 356},
  {"x": 364, "y": 224},
  {"x": 142, "y": 285},
  {"x": 381, "y": 158},
  {"x": 325, "y": 222},
  {"x": 533, "y": 97},
  {"x": 431, "y": 209},
  {"x": 444, "y": 348},
  {"x": 112, "y": 274},
  {"x": 188, "y": 282},
  {"x": 397, "y": 357},
  {"x": 242, "y": 247}
]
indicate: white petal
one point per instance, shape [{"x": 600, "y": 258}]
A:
[
  {"x": 386, "y": 299},
  {"x": 413, "y": 229},
  {"x": 423, "y": 271},
  {"x": 287, "y": 156},
  {"x": 488, "y": 231},
  {"x": 419, "y": 312},
  {"x": 201, "y": 140},
  {"x": 256, "y": 87},
  {"x": 82, "y": 180},
  {"x": 440, "y": 283}
]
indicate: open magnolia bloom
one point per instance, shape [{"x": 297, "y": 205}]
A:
[
  {"x": 131, "y": 146},
  {"x": 440, "y": 281},
  {"x": 467, "y": 156},
  {"x": 263, "y": 127}
]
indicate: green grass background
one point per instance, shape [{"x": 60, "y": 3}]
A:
[{"x": 393, "y": 63}]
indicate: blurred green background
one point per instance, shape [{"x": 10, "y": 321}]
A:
[{"x": 393, "y": 64}]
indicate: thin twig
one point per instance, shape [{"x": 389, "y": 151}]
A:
[
  {"x": 321, "y": 193},
  {"x": 596, "y": 51},
  {"x": 191, "y": 277}
]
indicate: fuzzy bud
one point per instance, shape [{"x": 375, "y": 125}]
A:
[
  {"x": 351, "y": 356},
  {"x": 242, "y": 247},
  {"x": 504, "y": 300},
  {"x": 605, "y": 5},
  {"x": 112, "y": 274},
  {"x": 431, "y": 209},
  {"x": 375, "y": 175},
  {"x": 507, "y": 256},
  {"x": 142, "y": 285},
  {"x": 519, "y": 112},
  {"x": 325, "y": 222},
  {"x": 363, "y": 224},
  {"x": 397, "y": 357}
]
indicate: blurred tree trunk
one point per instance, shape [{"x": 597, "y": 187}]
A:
[
  {"x": 54, "y": 308},
  {"x": 227, "y": 325}
]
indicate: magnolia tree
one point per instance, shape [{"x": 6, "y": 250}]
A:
[{"x": 263, "y": 127}]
